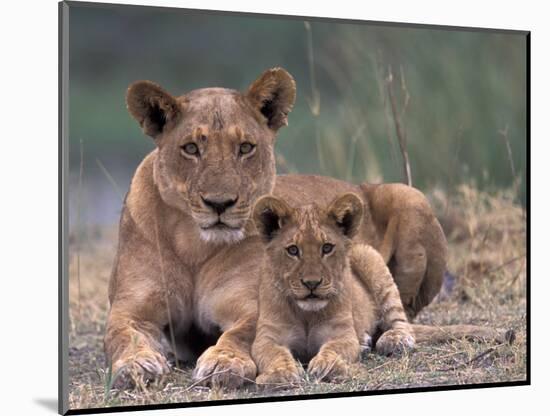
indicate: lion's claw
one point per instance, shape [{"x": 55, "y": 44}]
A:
[
  {"x": 224, "y": 367},
  {"x": 394, "y": 341},
  {"x": 328, "y": 367},
  {"x": 143, "y": 367},
  {"x": 289, "y": 374}
]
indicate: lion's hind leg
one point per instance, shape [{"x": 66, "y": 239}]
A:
[
  {"x": 436, "y": 265},
  {"x": 408, "y": 267}
]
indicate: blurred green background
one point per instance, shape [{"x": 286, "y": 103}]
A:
[{"x": 467, "y": 96}]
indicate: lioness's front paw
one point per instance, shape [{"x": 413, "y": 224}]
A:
[
  {"x": 140, "y": 368},
  {"x": 328, "y": 367},
  {"x": 394, "y": 341},
  {"x": 289, "y": 373},
  {"x": 224, "y": 367}
]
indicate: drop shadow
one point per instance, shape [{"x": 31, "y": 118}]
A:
[{"x": 49, "y": 404}]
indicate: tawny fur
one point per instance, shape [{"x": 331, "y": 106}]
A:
[
  {"x": 356, "y": 304},
  {"x": 173, "y": 266}
]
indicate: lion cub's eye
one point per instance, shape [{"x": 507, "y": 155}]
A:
[
  {"x": 190, "y": 149},
  {"x": 293, "y": 250},
  {"x": 246, "y": 148},
  {"x": 327, "y": 248}
]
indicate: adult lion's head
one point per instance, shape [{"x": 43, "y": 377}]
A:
[
  {"x": 308, "y": 246},
  {"x": 215, "y": 153}
]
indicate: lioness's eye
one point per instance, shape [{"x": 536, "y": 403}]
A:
[
  {"x": 327, "y": 248},
  {"x": 246, "y": 148},
  {"x": 293, "y": 250},
  {"x": 190, "y": 149}
]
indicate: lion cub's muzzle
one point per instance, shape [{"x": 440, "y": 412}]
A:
[
  {"x": 311, "y": 284},
  {"x": 311, "y": 295}
]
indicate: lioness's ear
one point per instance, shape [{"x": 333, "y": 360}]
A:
[
  {"x": 347, "y": 212},
  {"x": 270, "y": 215},
  {"x": 273, "y": 94},
  {"x": 152, "y": 107}
]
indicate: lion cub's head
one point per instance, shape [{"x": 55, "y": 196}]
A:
[
  {"x": 308, "y": 246},
  {"x": 215, "y": 147}
]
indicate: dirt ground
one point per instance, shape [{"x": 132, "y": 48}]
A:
[{"x": 487, "y": 240}]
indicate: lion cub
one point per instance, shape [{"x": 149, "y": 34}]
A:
[{"x": 312, "y": 306}]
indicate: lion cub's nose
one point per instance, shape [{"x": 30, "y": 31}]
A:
[
  {"x": 218, "y": 205},
  {"x": 311, "y": 284}
]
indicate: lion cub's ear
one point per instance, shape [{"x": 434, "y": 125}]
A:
[
  {"x": 270, "y": 215},
  {"x": 347, "y": 211},
  {"x": 273, "y": 94},
  {"x": 152, "y": 107}
]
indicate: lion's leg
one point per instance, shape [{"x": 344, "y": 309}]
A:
[
  {"x": 431, "y": 286},
  {"x": 333, "y": 359},
  {"x": 435, "y": 267},
  {"x": 132, "y": 346},
  {"x": 227, "y": 298},
  {"x": 416, "y": 238},
  {"x": 408, "y": 268},
  {"x": 146, "y": 299},
  {"x": 368, "y": 265},
  {"x": 228, "y": 363},
  {"x": 276, "y": 365}
]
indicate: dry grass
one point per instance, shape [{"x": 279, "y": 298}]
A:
[{"x": 487, "y": 237}]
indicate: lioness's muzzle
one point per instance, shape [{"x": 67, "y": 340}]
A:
[{"x": 219, "y": 205}]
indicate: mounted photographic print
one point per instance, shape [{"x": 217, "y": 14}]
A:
[{"x": 265, "y": 208}]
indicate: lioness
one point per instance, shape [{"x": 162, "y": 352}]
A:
[
  {"x": 322, "y": 295},
  {"x": 183, "y": 225},
  {"x": 181, "y": 271}
]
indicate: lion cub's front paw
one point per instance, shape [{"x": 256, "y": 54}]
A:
[
  {"x": 224, "y": 367},
  {"x": 288, "y": 373},
  {"x": 138, "y": 369},
  {"x": 328, "y": 367},
  {"x": 395, "y": 341}
]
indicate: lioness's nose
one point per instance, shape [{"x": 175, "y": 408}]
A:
[
  {"x": 311, "y": 284},
  {"x": 218, "y": 205}
]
